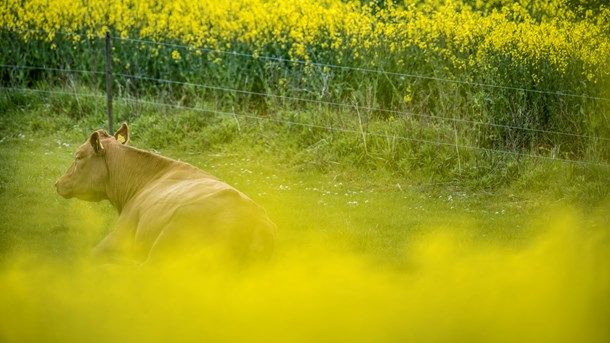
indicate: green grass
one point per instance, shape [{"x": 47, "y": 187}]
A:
[
  {"x": 334, "y": 204},
  {"x": 363, "y": 253},
  {"x": 306, "y": 182}
]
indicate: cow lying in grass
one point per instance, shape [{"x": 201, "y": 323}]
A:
[{"x": 166, "y": 208}]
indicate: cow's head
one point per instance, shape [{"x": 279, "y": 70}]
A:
[{"x": 87, "y": 177}]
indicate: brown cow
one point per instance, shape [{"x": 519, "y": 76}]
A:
[{"x": 166, "y": 208}]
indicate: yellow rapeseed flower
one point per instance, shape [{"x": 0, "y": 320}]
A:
[{"x": 476, "y": 36}]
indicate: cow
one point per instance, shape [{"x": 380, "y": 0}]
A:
[{"x": 167, "y": 209}]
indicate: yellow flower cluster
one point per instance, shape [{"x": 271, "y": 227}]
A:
[{"x": 463, "y": 36}]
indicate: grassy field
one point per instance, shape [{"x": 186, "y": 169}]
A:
[
  {"x": 338, "y": 203},
  {"x": 362, "y": 254}
]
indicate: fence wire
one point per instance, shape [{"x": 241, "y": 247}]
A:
[
  {"x": 307, "y": 125},
  {"x": 306, "y": 100},
  {"x": 318, "y": 64},
  {"x": 321, "y": 102},
  {"x": 365, "y": 70}
]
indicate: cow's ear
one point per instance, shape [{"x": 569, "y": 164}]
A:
[
  {"x": 122, "y": 134},
  {"x": 95, "y": 142}
]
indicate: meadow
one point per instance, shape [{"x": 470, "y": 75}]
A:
[
  {"x": 438, "y": 171},
  {"x": 361, "y": 255}
]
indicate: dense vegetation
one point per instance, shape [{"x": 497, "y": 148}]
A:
[{"x": 457, "y": 91}]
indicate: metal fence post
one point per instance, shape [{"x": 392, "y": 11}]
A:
[{"x": 108, "y": 83}]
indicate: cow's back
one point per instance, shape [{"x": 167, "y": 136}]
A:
[{"x": 188, "y": 212}]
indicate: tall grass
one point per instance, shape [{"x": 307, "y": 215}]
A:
[
  {"x": 320, "y": 140},
  {"x": 520, "y": 78}
]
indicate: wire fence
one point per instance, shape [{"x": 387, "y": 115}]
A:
[
  {"x": 307, "y": 125},
  {"x": 322, "y": 102},
  {"x": 346, "y": 106},
  {"x": 296, "y": 61}
]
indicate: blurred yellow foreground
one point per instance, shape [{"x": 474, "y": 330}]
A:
[{"x": 554, "y": 288}]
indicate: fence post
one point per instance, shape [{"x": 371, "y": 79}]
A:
[{"x": 108, "y": 83}]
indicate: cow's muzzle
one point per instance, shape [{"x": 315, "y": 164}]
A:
[{"x": 61, "y": 191}]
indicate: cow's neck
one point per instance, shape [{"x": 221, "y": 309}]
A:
[{"x": 130, "y": 171}]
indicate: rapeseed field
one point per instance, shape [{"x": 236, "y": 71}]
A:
[{"x": 334, "y": 31}]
